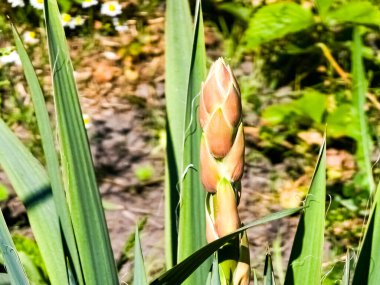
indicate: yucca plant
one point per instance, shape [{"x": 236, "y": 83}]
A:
[{"x": 64, "y": 205}]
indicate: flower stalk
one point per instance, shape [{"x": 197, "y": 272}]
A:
[{"x": 222, "y": 165}]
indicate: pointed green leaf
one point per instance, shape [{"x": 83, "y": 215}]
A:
[
  {"x": 51, "y": 157},
  {"x": 84, "y": 201},
  {"x": 268, "y": 271},
  {"x": 192, "y": 213},
  {"x": 181, "y": 271},
  {"x": 347, "y": 269},
  {"x": 305, "y": 261},
  {"x": 359, "y": 91},
  {"x": 367, "y": 270},
  {"x": 12, "y": 262},
  {"x": 31, "y": 184},
  {"x": 178, "y": 37},
  {"x": 139, "y": 276}
]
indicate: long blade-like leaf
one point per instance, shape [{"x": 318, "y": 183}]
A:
[
  {"x": 268, "y": 271},
  {"x": 306, "y": 257},
  {"x": 181, "y": 271},
  {"x": 87, "y": 214},
  {"x": 12, "y": 262},
  {"x": 192, "y": 212},
  {"x": 139, "y": 276},
  {"x": 347, "y": 269},
  {"x": 359, "y": 90},
  {"x": 367, "y": 270},
  {"x": 178, "y": 37},
  {"x": 51, "y": 157},
  {"x": 31, "y": 184}
]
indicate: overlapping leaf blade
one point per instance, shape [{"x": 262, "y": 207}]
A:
[
  {"x": 139, "y": 276},
  {"x": 12, "y": 261},
  {"x": 31, "y": 184},
  {"x": 52, "y": 163},
  {"x": 178, "y": 37},
  {"x": 305, "y": 261},
  {"x": 181, "y": 271},
  {"x": 84, "y": 201},
  {"x": 192, "y": 212},
  {"x": 359, "y": 91}
]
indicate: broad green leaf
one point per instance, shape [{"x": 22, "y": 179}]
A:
[
  {"x": 312, "y": 104},
  {"x": 343, "y": 122},
  {"x": 178, "y": 37},
  {"x": 191, "y": 233},
  {"x": 12, "y": 262},
  {"x": 305, "y": 261},
  {"x": 84, "y": 201},
  {"x": 139, "y": 275},
  {"x": 268, "y": 271},
  {"x": 323, "y": 6},
  {"x": 181, "y": 271},
  {"x": 359, "y": 12},
  {"x": 52, "y": 163},
  {"x": 359, "y": 91},
  {"x": 276, "y": 21},
  {"x": 31, "y": 184}
]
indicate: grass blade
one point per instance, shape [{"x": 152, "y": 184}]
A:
[
  {"x": 31, "y": 184},
  {"x": 52, "y": 163},
  {"x": 268, "y": 271},
  {"x": 192, "y": 212},
  {"x": 178, "y": 36},
  {"x": 359, "y": 91},
  {"x": 367, "y": 270},
  {"x": 347, "y": 269},
  {"x": 12, "y": 262},
  {"x": 306, "y": 257},
  {"x": 84, "y": 201},
  {"x": 139, "y": 276},
  {"x": 181, "y": 271}
]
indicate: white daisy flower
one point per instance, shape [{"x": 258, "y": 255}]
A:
[
  {"x": 78, "y": 21},
  {"x": 13, "y": 57},
  {"x": 30, "y": 37},
  {"x": 16, "y": 3},
  {"x": 38, "y": 4},
  {"x": 111, "y": 8},
  {"x": 67, "y": 20},
  {"x": 86, "y": 121},
  {"x": 89, "y": 3}
]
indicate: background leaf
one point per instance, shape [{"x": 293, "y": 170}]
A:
[
  {"x": 360, "y": 12},
  {"x": 276, "y": 21}
]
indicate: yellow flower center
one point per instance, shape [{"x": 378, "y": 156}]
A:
[
  {"x": 112, "y": 7},
  {"x": 66, "y": 18},
  {"x": 40, "y": 1},
  {"x": 32, "y": 35}
]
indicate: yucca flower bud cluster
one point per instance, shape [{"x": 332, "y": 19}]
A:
[{"x": 222, "y": 165}]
